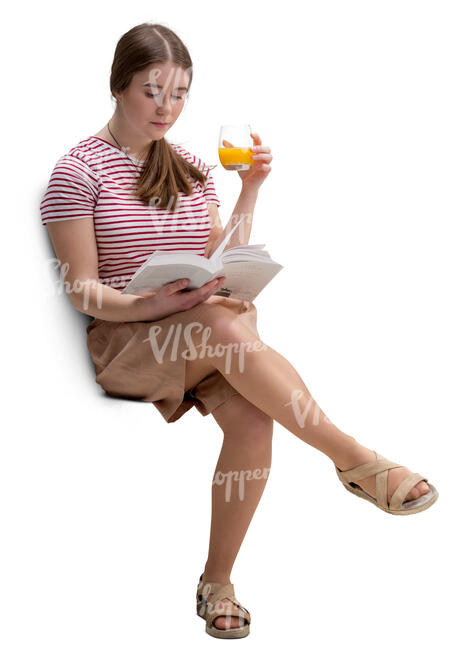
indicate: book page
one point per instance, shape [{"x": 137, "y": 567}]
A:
[
  {"x": 215, "y": 258},
  {"x": 245, "y": 280}
]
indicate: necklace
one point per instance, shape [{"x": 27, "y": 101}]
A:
[{"x": 121, "y": 148}]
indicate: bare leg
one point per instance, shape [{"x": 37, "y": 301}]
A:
[
  {"x": 239, "y": 479},
  {"x": 270, "y": 389},
  {"x": 270, "y": 382}
]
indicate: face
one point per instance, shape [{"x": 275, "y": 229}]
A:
[{"x": 155, "y": 95}]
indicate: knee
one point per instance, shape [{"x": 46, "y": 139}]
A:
[
  {"x": 254, "y": 430},
  {"x": 224, "y": 326},
  {"x": 259, "y": 437}
]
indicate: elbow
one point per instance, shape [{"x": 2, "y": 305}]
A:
[
  {"x": 79, "y": 303},
  {"x": 81, "y": 294}
]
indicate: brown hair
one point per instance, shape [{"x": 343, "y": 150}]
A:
[{"x": 165, "y": 171}]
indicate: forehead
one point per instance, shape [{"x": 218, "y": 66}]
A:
[{"x": 163, "y": 74}]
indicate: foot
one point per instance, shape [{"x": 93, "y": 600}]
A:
[
  {"x": 224, "y": 622},
  {"x": 358, "y": 455}
]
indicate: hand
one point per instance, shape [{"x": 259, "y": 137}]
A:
[
  {"x": 254, "y": 177},
  {"x": 173, "y": 297}
]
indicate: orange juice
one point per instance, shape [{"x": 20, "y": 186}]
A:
[{"x": 234, "y": 157}]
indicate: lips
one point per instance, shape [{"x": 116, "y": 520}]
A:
[{"x": 160, "y": 123}]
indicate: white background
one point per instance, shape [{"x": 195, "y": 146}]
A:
[{"x": 105, "y": 508}]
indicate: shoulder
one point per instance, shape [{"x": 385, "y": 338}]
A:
[
  {"x": 85, "y": 159},
  {"x": 77, "y": 169},
  {"x": 94, "y": 154}
]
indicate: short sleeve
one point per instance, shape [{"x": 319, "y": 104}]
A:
[
  {"x": 210, "y": 191},
  {"x": 71, "y": 193}
]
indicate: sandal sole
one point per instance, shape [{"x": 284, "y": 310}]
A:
[
  {"x": 408, "y": 508},
  {"x": 230, "y": 633}
]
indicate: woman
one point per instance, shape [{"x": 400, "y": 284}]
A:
[{"x": 125, "y": 192}]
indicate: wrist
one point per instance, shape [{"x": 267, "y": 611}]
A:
[
  {"x": 141, "y": 308},
  {"x": 250, "y": 190}
]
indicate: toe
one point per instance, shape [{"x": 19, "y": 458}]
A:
[
  {"x": 417, "y": 491},
  {"x": 413, "y": 494},
  {"x": 224, "y": 622},
  {"x": 423, "y": 487}
]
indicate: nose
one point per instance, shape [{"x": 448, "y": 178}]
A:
[{"x": 163, "y": 100}]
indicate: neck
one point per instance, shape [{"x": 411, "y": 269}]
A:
[{"x": 132, "y": 142}]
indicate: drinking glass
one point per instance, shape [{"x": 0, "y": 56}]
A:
[{"x": 234, "y": 145}]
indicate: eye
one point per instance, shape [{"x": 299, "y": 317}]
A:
[{"x": 175, "y": 96}]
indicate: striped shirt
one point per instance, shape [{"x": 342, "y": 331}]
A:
[{"x": 94, "y": 180}]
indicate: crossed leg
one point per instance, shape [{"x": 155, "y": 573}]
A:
[{"x": 269, "y": 389}]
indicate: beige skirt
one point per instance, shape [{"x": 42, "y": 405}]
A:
[{"x": 145, "y": 360}]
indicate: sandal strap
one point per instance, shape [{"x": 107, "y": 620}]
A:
[
  {"x": 368, "y": 469},
  {"x": 381, "y": 488},
  {"x": 227, "y": 608},
  {"x": 403, "y": 488},
  {"x": 210, "y": 593},
  {"x": 214, "y": 591},
  {"x": 223, "y": 591},
  {"x": 380, "y": 468}
]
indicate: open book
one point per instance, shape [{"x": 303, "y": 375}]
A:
[{"x": 248, "y": 269}]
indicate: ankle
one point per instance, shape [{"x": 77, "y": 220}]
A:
[
  {"x": 214, "y": 575},
  {"x": 222, "y": 580},
  {"x": 346, "y": 451}
]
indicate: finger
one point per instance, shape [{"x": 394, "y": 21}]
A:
[
  {"x": 221, "y": 281},
  {"x": 261, "y": 167},
  {"x": 173, "y": 287},
  {"x": 267, "y": 157},
  {"x": 211, "y": 287},
  {"x": 203, "y": 290},
  {"x": 213, "y": 284},
  {"x": 227, "y": 143},
  {"x": 256, "y": 138},
  {"x": 196, "y": 296},
  {"x": 213, "y": 290}
]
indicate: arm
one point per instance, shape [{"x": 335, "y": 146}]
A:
[
  {"x": 251, "y": 182},
  {"x": 244, "y": 207},
  {"x": 75, "y": 248}
]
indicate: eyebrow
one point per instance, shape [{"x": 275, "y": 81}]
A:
[{"x": 148, "y": 83}]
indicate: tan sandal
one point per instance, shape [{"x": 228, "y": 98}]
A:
[
  {"x": 207, "y": 606},
  {"x": 380, "y": 468}
]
